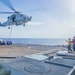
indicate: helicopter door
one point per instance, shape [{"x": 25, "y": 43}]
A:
[{"x": 13, "y": 18}]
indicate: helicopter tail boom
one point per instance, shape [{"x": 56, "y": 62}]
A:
[{"x": 2, "y": 25}]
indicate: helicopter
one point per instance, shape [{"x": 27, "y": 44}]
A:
[{"x": 16, "y": 18}]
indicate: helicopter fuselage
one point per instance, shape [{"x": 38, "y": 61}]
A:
[{"x": 16, "y": 19}]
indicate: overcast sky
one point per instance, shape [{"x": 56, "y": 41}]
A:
[{"x": 50, "y": 19}]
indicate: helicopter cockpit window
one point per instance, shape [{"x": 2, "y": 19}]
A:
[{"x": 8, "y": 17}]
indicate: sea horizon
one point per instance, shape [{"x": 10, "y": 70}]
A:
[{"x": 38, "y": 41}]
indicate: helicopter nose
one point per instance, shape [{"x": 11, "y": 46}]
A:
[{"x": 30, "y": 18}]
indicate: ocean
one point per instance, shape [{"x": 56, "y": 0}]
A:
[{"x": 37, "y": 41}]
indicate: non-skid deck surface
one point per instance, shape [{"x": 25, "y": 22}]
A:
[{"x": 33, "y": 67}]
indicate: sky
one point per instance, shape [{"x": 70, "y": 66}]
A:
[{"x": 50, "y": 19}]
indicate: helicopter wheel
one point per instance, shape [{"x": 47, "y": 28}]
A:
[
  {"x": 8, "y": 27},
  {"x": 23, "y": 24}
]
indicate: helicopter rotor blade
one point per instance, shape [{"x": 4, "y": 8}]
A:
[
  {"x": 6, "y": 12},
  {"x": 9, "y": 12},
  {"x": 8, "y": 4}
]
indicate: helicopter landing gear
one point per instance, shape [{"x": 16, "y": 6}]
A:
[
  {"x": 23, "y": 24},
  {"x": 8, "y": 27}
]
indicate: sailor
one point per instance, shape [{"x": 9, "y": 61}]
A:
[
  {"x": 73, "y": 41},
  {"x": 69, "y": 45}
]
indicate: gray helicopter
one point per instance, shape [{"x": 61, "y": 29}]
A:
[{"x": 16, "y": 18}]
